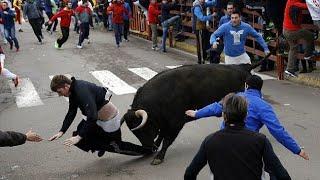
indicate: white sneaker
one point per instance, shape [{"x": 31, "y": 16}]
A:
[
  {"x": 79, "y": 46},
  {"x": 88, "y": 41}
]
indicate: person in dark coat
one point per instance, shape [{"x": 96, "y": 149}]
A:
[
  {"x": 236, "y": 152},
  {"x": 11, "y": 138},
  {"x": 100, "y": 128}
]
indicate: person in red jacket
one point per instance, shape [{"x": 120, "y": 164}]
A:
[
  {"x": 153, "y": 13},
  {"x": 293, "y": 31},
  {"x": 118, "y": 12},
  {"x": 65, "y": 15}
]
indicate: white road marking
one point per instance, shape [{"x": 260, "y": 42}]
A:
[
  {"x": 173, "y": 67},
  {"x": 26, "y": 94},
  {"x": 114, "y": 83},
  {"x": 144, "y": 72},
  {"x": 69, "y": 76}
]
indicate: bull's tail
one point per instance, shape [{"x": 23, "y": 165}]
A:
[{"x": 253, "y": 66}]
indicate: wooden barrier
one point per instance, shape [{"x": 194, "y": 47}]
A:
[{"x": 139, "y": 25}]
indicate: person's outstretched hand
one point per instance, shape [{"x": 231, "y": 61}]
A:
[
  {"x": 191, "y": 113},
  {"x": 56, "y": 136},
  {"x": 33, "y": 137},
  {"x": 304, "y": 155}
]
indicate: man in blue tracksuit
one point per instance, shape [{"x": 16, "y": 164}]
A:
[
  {"x": 259, "y": 113},
  {"x": 215, "y": 55},
  {"x": 234, "y": 36},
  {"x": 199, "y": 20}
]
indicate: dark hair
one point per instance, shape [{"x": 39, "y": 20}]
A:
[
  {"x": 235, "y": 108},
  {"x": 254, "y": 82},
  {"x": 59, "y": 81},
  {"x": 230, "y": 3},
  {"x": 236, "y": 11},
  {"x": 5, "y": 2}
]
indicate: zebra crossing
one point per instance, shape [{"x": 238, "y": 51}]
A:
[{"x": 26, "y": 94}]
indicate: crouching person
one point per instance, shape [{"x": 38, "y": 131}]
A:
[
  {"x": 100, "y": 128},
  {"x": 235, "y": 152}
]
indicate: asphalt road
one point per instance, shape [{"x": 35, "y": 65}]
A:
[{"x": 297, "y": 107}]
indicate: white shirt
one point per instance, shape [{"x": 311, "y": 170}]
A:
[{"x": 314, "y": 9}]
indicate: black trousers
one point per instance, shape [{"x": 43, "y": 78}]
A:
[
  {"x": 99, "y": 140},
  {"x": 36, "y": 27},
  {"x": 55, "y": 23},
  {"x": 126, "y": 29},
  {"x": 84, "y": 32},
  {"x": 203, "y": 43},
  {"x": 65, "y": 35}
]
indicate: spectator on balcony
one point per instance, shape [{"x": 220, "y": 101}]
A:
[
  {"x": 314, "y": 9},
  {"x": 166, "y": 20},
  {"x": 153, "y": 13},
  {"x": 199, "y": 27},
  {"x": 293, "y": 32},
  {"x": 234, "y": 36}
]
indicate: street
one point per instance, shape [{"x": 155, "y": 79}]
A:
[{"x": 124, "y": 70}]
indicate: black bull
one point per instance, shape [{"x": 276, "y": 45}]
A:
[{"x": 162, "y": 101}]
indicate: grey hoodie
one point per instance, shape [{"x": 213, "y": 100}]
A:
[{"x": 31, "y": 11}]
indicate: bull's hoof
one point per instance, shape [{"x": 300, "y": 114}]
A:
[{"x": 156, "y": 161}]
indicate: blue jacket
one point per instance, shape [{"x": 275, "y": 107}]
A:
[
  {"x": 197, "y": 13},
  {"x": 224, "y": 19},
  {"x": 128, "y": 8},
  {"x": 8, "y": 19},
  {"x": 234, "y": 38},
  {"x": 259, "y": 113}
]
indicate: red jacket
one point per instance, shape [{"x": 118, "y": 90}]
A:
[
  {"x": 287, "y": 22},
  {"x": 118, "y": 11},
  {"x": 153, "y": 13},
  {"x": 65, "y": 15}
]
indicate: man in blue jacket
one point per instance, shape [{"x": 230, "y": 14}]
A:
[
  {"x": 234, "y": 36},
  {"x": 199, "y": 20},
  {"x": 8, "y": 15},
  {"x": 259, "y": 113}
]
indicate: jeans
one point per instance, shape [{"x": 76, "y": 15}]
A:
[
  {"x": 317, "y": 23},
  {"x": 36, "y": 27},
  {"x": 117, "y": 28},
  {"x": 292, "y": 37},
  {"x": 84, "y": 32},
  {"x": 110, "y": 22},
  {"x": 2, "y": 33},
  {"x": 100, "y": 140},
  {"x": 10, "y": 34},
  {"x": 165, "y": 25},
  {"x": 126, "y": 27},
  {"x": 65, "y": 35},
  {"x": 154, "y": 35}
]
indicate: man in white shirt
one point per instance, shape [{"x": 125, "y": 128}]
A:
[{"x": 314, "y": 9}]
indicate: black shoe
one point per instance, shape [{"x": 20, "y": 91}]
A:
[
  {"x": 20, "y": 30},
  {"x": 11, "y": 45},
  {"x": 291, "y": 74},
  {"x": 101, "y": 153}
]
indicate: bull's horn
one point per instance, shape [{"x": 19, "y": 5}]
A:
[{"x": 144, "y": 115}]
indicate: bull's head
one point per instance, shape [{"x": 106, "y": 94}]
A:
[{"x": 137, "y": 122}]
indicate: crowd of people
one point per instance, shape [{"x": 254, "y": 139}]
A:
[{"x": 244, "y": 113}]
